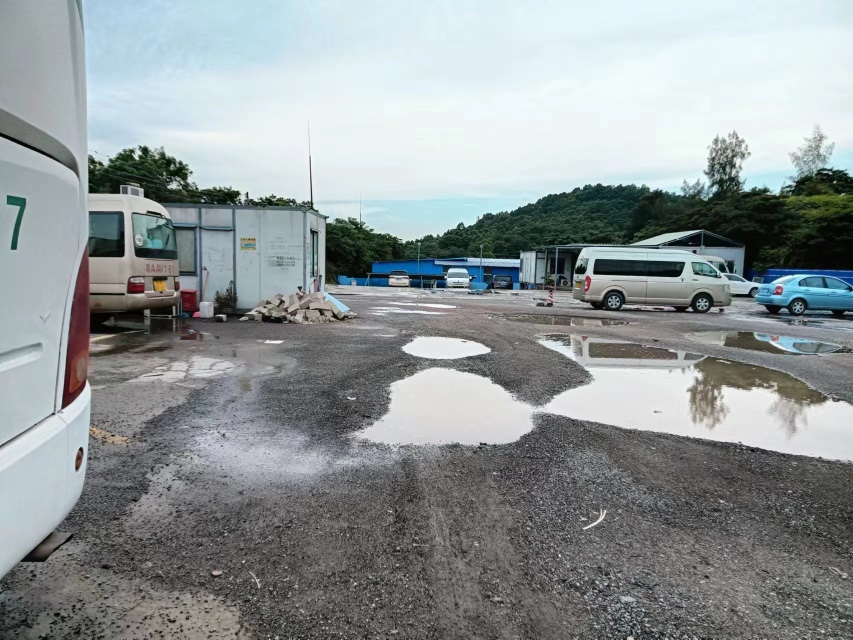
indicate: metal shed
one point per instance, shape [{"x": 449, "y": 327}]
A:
[
  {"x": 264, "y": 250},
  {"x": 703, "y": 243},
  {"x": 489, "y": 268}
]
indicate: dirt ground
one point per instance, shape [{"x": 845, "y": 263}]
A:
[{"x": 228, "y": 495}]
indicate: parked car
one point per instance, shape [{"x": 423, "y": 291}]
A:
[
  {"x": 457, "y": 279},
  {"x": 609, "y": 277},
  {"x": 399, "y": 278},
  {"x": 741, "y": 286},
  {"x": 799, "y": 293},
  {"x": 501, "y": 282}
]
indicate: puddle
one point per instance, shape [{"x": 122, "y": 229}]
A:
[
  {"x": 688, "y": 394},
  {"x": 381, "y": 311},
  {"x": 196, "y": 367},
  {"x": 565, "y": 321},
  {"x": 766, "y": 342},
  {"x": 475, "y": 411},
  {"x": 444, "y": 348}
]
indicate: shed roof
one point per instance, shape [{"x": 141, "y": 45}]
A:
[
  {"x": 475, "y": 262},
  {"x": 685, "y": 237}
]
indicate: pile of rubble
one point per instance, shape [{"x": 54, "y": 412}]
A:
[{"x": 300, "y": 307}]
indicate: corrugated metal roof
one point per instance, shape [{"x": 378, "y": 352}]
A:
[
  {"x": 668, "y": 237},
  {"x": 487, "y": 262}
]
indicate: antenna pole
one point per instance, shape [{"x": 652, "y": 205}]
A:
[
  {"x": 359, "y": 209},
  {"x": 310, "y": 170}
]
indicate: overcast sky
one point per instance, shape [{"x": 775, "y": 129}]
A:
[{"x": 437, "y": 112}]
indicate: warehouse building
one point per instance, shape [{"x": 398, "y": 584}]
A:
[
  {"x": 263, "y": 250},
  {"x": 433, "y": 269},
  {"x": 543, "y": 265}
]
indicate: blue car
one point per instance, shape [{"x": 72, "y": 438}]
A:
[{"x": 803, "y": 292}]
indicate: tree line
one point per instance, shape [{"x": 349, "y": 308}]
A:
[{"x": 807, "y": 224}]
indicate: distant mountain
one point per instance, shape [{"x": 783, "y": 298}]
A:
[{"x": 594, "y": 213}]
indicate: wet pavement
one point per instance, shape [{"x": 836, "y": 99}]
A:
[
  {"x": 353, "y": 480},
  {"x": 565, "y": 321}
]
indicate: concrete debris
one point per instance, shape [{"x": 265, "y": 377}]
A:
[{"x": 315, "y": 307}]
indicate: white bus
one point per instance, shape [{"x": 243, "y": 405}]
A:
[
  {"x": 44, "y": 324},
  {"x": 133, "y": 256}
]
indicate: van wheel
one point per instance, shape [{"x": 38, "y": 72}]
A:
[
  {"x": 797, "y": 307},
  {"x": 702, "y": 303},
  {"x": 97, "y": 319},
  {"x": 681, "y": 309},
  {"x": 838, "y": 313},
  {"x": 613, "y": 301},
  {"x": 772, "y": 308},
  {"x": 595, "y": 305},
  {"x": 753, "y": 292}
]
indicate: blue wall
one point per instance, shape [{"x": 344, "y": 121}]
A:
[
  {"x": 772, "y": 274},
  {"x": 429, "y": 267}
]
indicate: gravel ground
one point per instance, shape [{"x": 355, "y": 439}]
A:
[{"x": 218, "y": 452}]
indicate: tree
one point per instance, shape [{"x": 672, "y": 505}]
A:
[
  {"x": 698, "y": 190},
  {"x": 813, "y": 155},
  {"x": 823, "y": 182},
  {"x": 219, "y": 195},
  {"x": 725, "y": 163}
]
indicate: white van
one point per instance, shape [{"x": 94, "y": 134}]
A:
[
  {"x": 457, "y": 279},
  {"x": 608, "y": 277},
  {"x": 44, "y": 326}
]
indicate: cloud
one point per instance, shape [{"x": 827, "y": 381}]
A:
[{"x": 475, "y": 100}]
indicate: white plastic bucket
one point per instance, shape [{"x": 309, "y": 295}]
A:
[{"x": 206, "y": 309}]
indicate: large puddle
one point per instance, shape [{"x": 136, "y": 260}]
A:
[
  {"x": 767, "y": 342},
  {"x": 564, "y": 321},
  {"x": 443, "y": 406},
  {"x": 444, "y": 348},
  {"x": 688, "y": 394}
]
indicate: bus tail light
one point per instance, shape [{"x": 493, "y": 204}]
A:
[
  {"x": 177, "y": 283},
  {"x": 77, "y": 352},
  {"x": 587, "y": 282},
  {"x": 778, "y": 290},
  {"x": 136, "y": 284}
]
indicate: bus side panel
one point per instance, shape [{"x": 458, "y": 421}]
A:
[{"x": 40, "y": 230}]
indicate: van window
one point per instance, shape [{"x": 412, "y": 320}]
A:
[
  {"x": 663, "y": 269},
  {"x": 106, "y": 234},
  {"x": 154, "y": 237},
  {"x": 703, "y": 269},
  {"x": 580, "y": 267},
  {"x": 603, "y": 267}
]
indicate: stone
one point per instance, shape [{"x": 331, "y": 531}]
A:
[
  {"x": 312, "y": 314},
  {"x": 304, "y": 302},
  {"x": 320, "y": 305}
]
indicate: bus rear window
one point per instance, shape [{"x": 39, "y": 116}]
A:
[
  {"x": 154, "y": 237},
  {"x": 106, "y": 234}
]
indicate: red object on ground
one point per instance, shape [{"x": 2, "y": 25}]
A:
[{"x": 189, "y": 300}]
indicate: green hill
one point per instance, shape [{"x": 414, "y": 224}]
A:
[{"x": 594, "y": 213}]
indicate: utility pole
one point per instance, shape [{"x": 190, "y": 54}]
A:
[
  {"x": 310, "y": 169},
  {"x": 419, "y": 266},
  {"x": 359, "y": 209},
  {"x": 482, "y": 277}
]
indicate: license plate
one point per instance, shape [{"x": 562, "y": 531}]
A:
[
  {"x": 160, "y": 284},
  {"x": 577, "y": 284}
]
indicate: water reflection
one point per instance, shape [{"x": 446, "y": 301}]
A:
[
  {"x": 657, "y": 389},
  {"x": 766, "y": 342}
]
